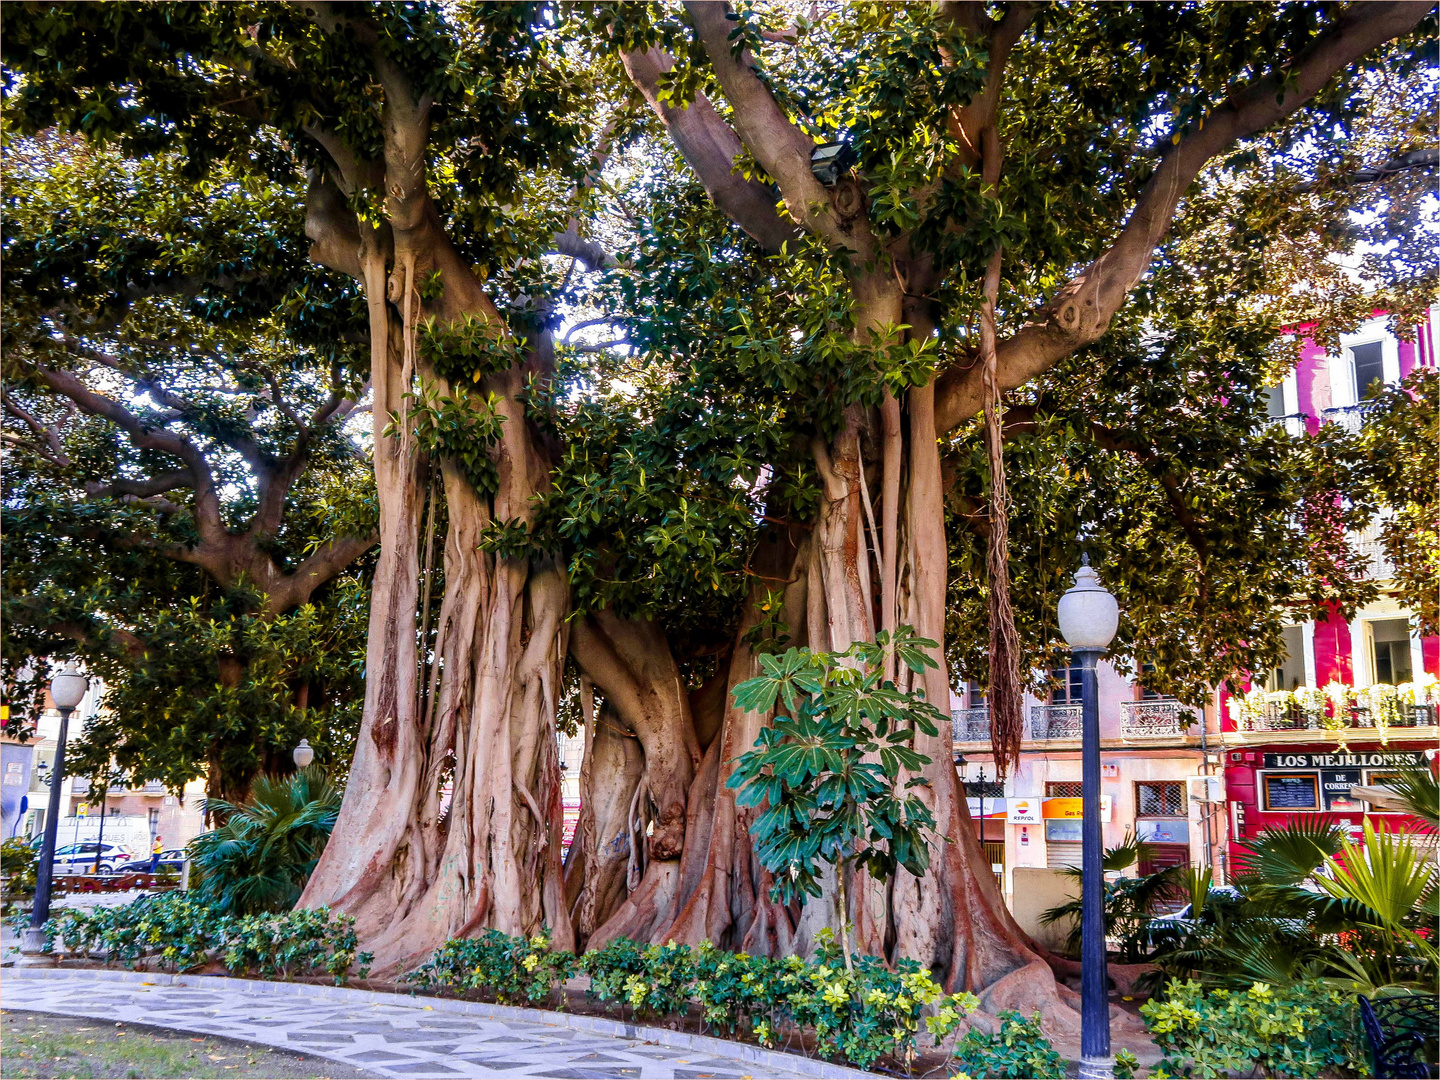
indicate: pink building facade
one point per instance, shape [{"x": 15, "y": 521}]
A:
[{"x": 1280, "y": 761}]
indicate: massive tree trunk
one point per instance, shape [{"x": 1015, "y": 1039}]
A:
[{"x": 471, "y": 707}]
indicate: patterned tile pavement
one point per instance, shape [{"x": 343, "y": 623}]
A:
[{"x": 382, "y": 1033}]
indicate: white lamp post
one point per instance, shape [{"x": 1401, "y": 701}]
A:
[
  {"x": 303, "y": 754},
  {"x": 67, "y": 690},
  {"x": 1089, "y": 617}
]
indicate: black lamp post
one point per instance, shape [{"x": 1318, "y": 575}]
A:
[
  {"x": 1089, "y": 617},
  {"x": 67, "y": 690}
]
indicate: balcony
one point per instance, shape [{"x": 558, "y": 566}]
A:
[
  {"x": 1351, "y": 416},
  {"x": 1373, "y": 555},
  {"x": 1161, "y": 717},
  {"x": 1294, "y": 423},
  {"x": 1055, "y": 722},
  {"x": 970, "y": 725},
  {"x": 1284, "y": 716}
]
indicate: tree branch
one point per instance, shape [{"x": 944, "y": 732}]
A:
[
  {"x": 1081, "y": 311},
  {"x": 48, "y": 434},
  {"x": 711, "y": 148},
  {"x": 123, "y": 487},
  {"x": 208, "y": 520},
  {"x": 781, "y": 148}
]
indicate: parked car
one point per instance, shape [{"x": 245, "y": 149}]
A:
[
  {"x": 81, "y": 858},
  {"x": 171, "y": 862}
]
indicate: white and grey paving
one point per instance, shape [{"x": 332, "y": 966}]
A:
[{"x": 398, "y": 1035}]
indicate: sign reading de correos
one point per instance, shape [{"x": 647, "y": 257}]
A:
[{"x": 1023, "y": 810}]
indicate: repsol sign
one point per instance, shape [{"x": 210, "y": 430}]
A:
[{"x": 1395, "y": 759}]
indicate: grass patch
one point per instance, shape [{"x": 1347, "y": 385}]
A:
[{"x": 46, "y": 1045}]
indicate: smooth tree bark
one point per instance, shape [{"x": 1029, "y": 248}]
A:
[{"x": 476, "y": 711}]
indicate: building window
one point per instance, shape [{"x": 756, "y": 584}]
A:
[
  {"x": 1392, "y": 650},
  {"x": 990, "y": 789},
  {"x": 1291, "y": 791},
  {"x": 1066, "y": 686},
  {"x": 1369, "y": 363},
  {"x": 977, "y": 695},
  {"x": 1065, "y": 789},
  {"x": 1146, "y": 694},
  {"x": 1160, "y": 798},
  {"x": 154, "y": 820}
]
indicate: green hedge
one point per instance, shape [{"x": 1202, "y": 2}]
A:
[
  {"x": 179, "y": 933},
  {"x": 1309, "y": 1029},
  {"x": 856, "y": 1016}
]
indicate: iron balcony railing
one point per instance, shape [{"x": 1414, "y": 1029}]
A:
[
  {"x": 1294, "y": 423},
  {"x": 1283, "y": 716},
  {"x": 1055, "y": 721},
  {"x": 1351, "y": 416},
  {"x": 1159, "y": 716},
  {"x": 1372, "y": 550},
  {"x": 970, "y": 725}
]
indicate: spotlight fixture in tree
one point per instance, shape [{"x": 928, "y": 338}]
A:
[{"x": 829, "y": 160}]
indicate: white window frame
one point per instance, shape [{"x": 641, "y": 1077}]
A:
[{"x": 1343, "y": 391}]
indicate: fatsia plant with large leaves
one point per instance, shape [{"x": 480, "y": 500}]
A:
[
  {"x": 261, "y": 857},
  {"x": 836, "y": 775}
]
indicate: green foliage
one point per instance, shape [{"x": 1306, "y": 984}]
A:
[
  {"x": 175, "y": 446},
  {"x": 18, "y": 860},
  {"x": 261, "y": 857},
  {"x": 833, "y": 776},
  {"x": 857, "y": 1015},
  {"x": 509, "y": 969},
  {"x": 179, "y": 932},
  {"x": 458, "y": 425},
  {"x": 1305, "y": 1030},
  {"x": 1126, "y": 1064},
  {"x": 1129, "y": 901},
  {"x": 1366, "y": 922},
  {"x": 1018, "y": 1049}
]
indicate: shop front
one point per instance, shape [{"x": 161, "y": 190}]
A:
[{"x": 1270, "y": 786}]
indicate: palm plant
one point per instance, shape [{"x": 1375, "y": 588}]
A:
[
  {"x": 1388, "y": 891},
  {"x": 1362, "y": 924},
  {"x": 1129, "y": 902},
  {"x": 1418, "y": 792},
  {"x": 261, "y": 857}
]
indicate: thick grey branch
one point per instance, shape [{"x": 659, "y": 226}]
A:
[{"x": 711, "y": 148}]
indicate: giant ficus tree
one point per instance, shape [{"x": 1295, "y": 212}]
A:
[
  {"x": 760, "y": 464},
  {"x": 443, "y": 149},
  {"x": 1015, "y": 169},
  {"x": 177, "y": 382}
]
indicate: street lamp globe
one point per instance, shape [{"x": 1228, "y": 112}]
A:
[
  {"x": 303, "y": 754},
  {"x": 1089, "y": 615},
  {"x": 68, "y": 686}
]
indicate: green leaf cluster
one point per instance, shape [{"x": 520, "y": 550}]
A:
[
  {"x": 174, "y": 931},
  {"x": 509, "y": 969},
  {"x": 835, "y": 772},
  {"x": 1304, "y": 1030},
  {"x": 860, "y": 1015}
]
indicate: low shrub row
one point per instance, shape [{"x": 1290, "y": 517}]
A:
[
  {"x": 858, "y": 1015},
  {"x": 178, "y": 933},
  {"x": 1307, "y": 1029}
]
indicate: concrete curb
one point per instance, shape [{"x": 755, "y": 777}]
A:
[{"x": 772, "y": 1060}]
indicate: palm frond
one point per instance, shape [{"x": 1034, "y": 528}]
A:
[
  {"x": 261, "y": 857},
  {"x": 1287, "y": 855},
  {"x": 1420, "y": 792}
]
